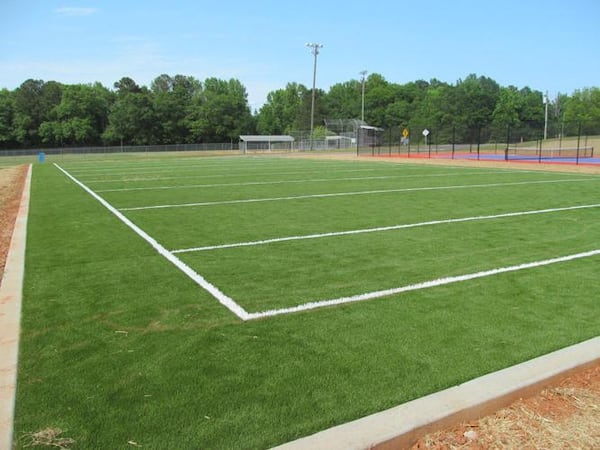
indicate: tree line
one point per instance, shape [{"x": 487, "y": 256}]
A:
[{"x": 182, "y": 109}]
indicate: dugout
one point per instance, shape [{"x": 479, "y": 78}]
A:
[{"x": 266, "y": 142}]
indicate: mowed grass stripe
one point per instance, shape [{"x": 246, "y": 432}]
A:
[
  {"x": 223, "y": 224},
  {"x": 418, "y": 286},
  {"x": 290, "y": 273},
  {"x": 302, "y": 181},
  {"x": 383, "y": 229},
  {"x": 128, "y": 177},
  {"x": 343, "y": 194},
  {"x": 227, "y": 165}
]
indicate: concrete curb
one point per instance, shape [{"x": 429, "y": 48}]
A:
[
  {"x": 11, "y": 289},
  {"x": 401, "y": 426}
]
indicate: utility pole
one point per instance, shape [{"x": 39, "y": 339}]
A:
[
  {"x": 546, "y": 116},
  {"x": 363, "y": 74},
  {"x": 315, "y": 51}
]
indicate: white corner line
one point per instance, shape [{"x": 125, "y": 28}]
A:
[
  {"x": 226, "y": 301},
  {"x": 11, "y": 294},
  {"x": 418, "y": 286},
  {"x": 382, "y": 229}
]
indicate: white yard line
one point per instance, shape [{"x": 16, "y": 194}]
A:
[
  {"x": 134, "y": 178},
  {"x": 343, "y": 194},
  {"x": 305, "y": 181},
  {"x": 168, "y": 167},
  {"x": 380, "y": 229},
  {"x": 197, "y": 278},
  {"x": 418, "y": 286}
]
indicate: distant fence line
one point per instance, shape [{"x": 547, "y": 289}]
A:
[
  {"x": 367, "y": 139},
  {"x": 224, "y": 146}
]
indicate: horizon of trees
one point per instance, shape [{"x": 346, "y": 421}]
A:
[{"x": 181, "y": 109}]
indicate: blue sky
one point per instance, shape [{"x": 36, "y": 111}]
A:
[{"x": 546, "y": 45}]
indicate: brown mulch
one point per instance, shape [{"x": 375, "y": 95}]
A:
[
  {"x": 566, "y": 416},
  {"x": 12, "y": 180}
]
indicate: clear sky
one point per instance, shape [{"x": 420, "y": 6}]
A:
[{"x": 544, "y": 44}]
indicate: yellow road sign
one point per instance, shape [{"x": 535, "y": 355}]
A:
[{"x": 405, "y": 132}]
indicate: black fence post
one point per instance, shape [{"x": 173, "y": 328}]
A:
[
  {"x": 453, "y": 139},
  {"x": 478, "y": 141},
  {"x": 428, "y": 137},
  {"x": 578, "y": 142},
  {"x": 507, "y": 142}
]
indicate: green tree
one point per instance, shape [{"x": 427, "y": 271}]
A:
[
  {"x": 80, "y": 117},
  {"x": 34, "y": 103},
  {"x": 7, "y": 138},
  {"x": 344, "y": 100},
  {"x": 583, "y": 107},
  {"x": 220, "y": 112},
  {"x": 278, "y": 114},
  {"x": 172, "y": 100},
  {"x": 132, "y": 120}
]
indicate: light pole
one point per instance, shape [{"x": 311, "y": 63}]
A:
[
  {"x": 315, "y": 51},
  {"x": 546, "y": 116},
  {"x": 363, "y": 74}
]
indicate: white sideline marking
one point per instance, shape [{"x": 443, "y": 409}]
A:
[
  {"x": 157, "y": 170},
  {"x": 342, "y": 194},
  {"x": 161, "y": 167},
  {"x": 135, "y": 177},
  {"x": 200, "y": 280},
  {"x": 379, "y": 229},
  {"x": 313, "y": 180},
  {"x": 418, "y": 286}
]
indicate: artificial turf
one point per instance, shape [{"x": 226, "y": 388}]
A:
[{"x": 118, "y": 346}]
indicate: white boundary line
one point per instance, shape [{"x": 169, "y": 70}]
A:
[
  {"x": 343, "y": 194},
  {"x": 305, "y": 181},
  {"x": 139, "y": 177},
  {"x": 220, "y": 170},
  {"x": 379, "y": 229},
  {"x": 200, "y": 280},
  {"x": 418, "y": 286}
]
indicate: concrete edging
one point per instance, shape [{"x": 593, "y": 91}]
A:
[
  {"x": 11, "y": 290},
  {"x": 401, "y": 426}
]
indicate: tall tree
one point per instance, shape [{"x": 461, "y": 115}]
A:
[
  {"x": 7, "y": 138},
  {"x": 80, "y": 117},
  {"x": 34, "y": 103},
  {"x": 132, "y": 120},
  {"x": 220, "y": 113},
  {"x": 172, "y": 100}
]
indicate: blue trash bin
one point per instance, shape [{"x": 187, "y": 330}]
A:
[{"x": 41, "y": 157}]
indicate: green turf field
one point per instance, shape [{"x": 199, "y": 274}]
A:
[{"x": 241, "y": 302}]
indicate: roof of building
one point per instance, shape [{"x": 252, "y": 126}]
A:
[{"x": 267, "y": 138}]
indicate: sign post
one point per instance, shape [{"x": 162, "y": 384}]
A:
[{"x": 426, "y": 134}]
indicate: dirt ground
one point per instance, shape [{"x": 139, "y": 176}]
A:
[
  {"x": 12, "y": 180},
  {"x": 566, "y": 416}
]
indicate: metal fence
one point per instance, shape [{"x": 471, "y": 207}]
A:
[
  {"x": 221, "y": 147},
  {"x": 526, "y": 141}
]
